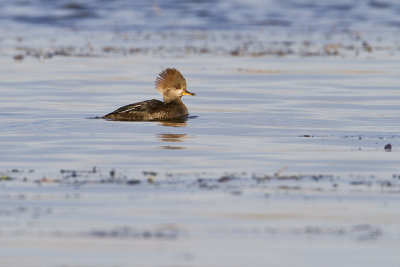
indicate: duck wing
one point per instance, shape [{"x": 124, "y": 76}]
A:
[{"x": 143, "y": 106}]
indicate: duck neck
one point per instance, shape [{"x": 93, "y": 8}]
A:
[{"x": 168, "y": 100}]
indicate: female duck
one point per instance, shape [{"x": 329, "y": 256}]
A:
[{"x": 171, "y": 84}]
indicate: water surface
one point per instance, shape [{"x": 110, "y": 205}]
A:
[
  {"x": 254, "y": 115},
  {"x": 283, "y": 154}
]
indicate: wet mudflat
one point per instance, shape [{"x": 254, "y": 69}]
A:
[{"x": 96, "y": 218}]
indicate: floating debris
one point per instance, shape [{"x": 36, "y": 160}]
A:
[
  {"x": 149, "y": 173},
  {"x": 48, "y": 180},
  {"x": 18, "y": 57},
  {"x": 133, "y": 182},
  {"x": 5, "y": 178},
  {"x": 168, "y": 232},
  {"x": 224, "y": 179},
  {"x": 388, "y": 148}
]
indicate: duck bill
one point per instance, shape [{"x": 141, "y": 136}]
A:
[{"x": 186, "y": 92}]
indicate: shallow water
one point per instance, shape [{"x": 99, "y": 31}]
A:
[
  {"x": 125, "y": 15},
  {"x": 250, "y": 114},
  {"x": 43, "y": 29}
]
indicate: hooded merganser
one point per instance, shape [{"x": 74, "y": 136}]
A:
[{"x": 171, "y": 84}]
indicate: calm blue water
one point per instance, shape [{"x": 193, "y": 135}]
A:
[
  {"x": 252, "y": 115},
  {"x": 123, "y": 15}
]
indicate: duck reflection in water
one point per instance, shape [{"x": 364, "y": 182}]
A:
[
  {"x": 175, "y": 138},
  {"x": 177, "y": 122}
]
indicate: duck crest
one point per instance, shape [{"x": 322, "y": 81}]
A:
[{"x": 170, "y": 78}]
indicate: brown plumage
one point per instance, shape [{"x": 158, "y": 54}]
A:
[
  {"x": 169, "y": 78},
  {"x": 172, "y": 85}
]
